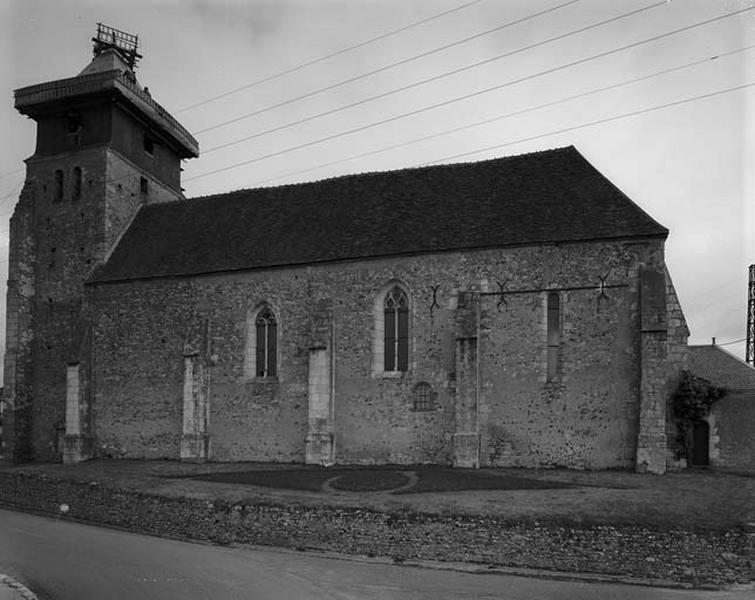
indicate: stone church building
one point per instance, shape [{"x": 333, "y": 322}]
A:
[{"x": 509, "y": 312}]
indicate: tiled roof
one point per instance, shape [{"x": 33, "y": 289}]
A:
[
  {"x": 550, "y": 196},
  {"x": 721, "y": 368}
]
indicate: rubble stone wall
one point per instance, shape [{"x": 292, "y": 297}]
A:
[{"x": 585, "y": 419}]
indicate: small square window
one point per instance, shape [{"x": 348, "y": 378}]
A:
[
  {"x": 423, "y": 397},
  {"x": 149, "y": 145},
  {"x": 74, "y": 124}
]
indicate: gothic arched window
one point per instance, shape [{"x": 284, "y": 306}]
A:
[
  {"x": 396, "y": 329},
  {"x": 554, "y": 335},
  {"x": 267, "y": 343}
]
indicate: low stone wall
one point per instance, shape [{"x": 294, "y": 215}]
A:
[{"x": 697, "y": 558}]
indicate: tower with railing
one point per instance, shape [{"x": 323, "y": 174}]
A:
[{"x": 104, "y": 148}]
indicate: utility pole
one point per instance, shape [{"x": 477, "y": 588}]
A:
[{"x": 750, "y": 348}]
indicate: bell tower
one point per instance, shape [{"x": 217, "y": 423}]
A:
[{"x": 104, "y": 148}]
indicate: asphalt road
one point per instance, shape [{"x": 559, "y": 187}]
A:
[{"x": 65, "y": 560}]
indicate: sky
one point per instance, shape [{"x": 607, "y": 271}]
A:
[{"x": 672, "y": 132}]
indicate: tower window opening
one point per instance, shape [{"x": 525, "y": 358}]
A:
[
  {"x": 149, "y": 145},
  {"x": 74, "y": 124},
  {"x": 144, "y": 185},
  {"x": 58, "y": 186},
  {"x": 76, "y": 183}
]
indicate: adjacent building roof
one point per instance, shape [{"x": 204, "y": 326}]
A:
[
  {"x": 721, "y": 368},
  {"x": 543, "y": 197}
]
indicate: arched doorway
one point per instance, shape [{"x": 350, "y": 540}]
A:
[{"x": 700, "y": 440}]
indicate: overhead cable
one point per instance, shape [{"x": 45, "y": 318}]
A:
[
  {"x": 596, "y": 122},
  {"x": 505, "y": 116},
  {"x": 463, "y": 97},
  {"x": 729, "y": 343},
  {"x": 9, "y": 173},
  {"x": 526, "y": 139},
  {"x": 382, "y": 69},
  {"x": 438, "y": 77},
  {"x": 328, "y": 56}
]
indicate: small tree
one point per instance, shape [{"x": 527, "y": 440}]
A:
[{"x": 692, "y": 401}]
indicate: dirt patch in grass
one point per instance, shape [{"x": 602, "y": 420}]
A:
[
  {"x": 456, "y": 480},
  {"x": 306, "y": 480},
  {"x": 370, "y": 481},
  {"x": 428, "y": 480},
  {"x": 312, "y": 480}
]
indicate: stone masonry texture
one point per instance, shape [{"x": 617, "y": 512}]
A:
[
  {"x": 587, "y": 418},
  {"x": 733, "y": 419},
  {"x": 52, "y": 257}
]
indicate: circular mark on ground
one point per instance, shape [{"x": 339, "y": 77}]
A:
[{"x": 371, "y": 481}]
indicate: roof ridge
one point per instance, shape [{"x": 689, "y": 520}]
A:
[
  {"x": 725, "y": 351},
  {"x": 428, "y": 168},
  {"x": 544, "y": 197}
]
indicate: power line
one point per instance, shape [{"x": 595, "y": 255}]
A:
[
  {"x": 9, "y": 173},
  {"x": 458, "y": 98},
  {"x": 534, "y": 137},
  {"x": 717, "y": 288},
  {"x": 506, "y": 116},
  {"x": 719, "y": 301},
  {"x": 13, "y": 192},
  {"x": 597, "y": 122},
  {"x": 331, "y": 55},
  {"x": 382, "y": 69},
  {"x": 729, "y": 343},
  {"x": 447, "y": 74}
]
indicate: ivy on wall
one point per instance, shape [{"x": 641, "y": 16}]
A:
[{"x": 690, "y": 402}]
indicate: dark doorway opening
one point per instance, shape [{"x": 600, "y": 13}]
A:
[{"x": 700, "y": 437}]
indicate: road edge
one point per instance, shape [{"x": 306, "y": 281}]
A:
[
  {"x": 17, "y": 586},
  {"x": 460, "y": 567},
  {"x": 493, "y": 569}
]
